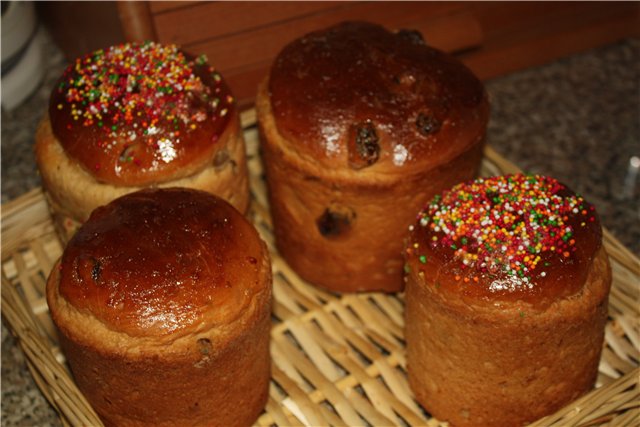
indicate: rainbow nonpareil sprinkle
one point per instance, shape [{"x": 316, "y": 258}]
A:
[
  {"x": 506, "y": 223},
  {"x": 150, "y": 82}
]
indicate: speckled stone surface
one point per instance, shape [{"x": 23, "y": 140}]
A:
[
  {"x": 577, "y": 119},
  {"x": 19, "y": 172},
  {"x": 22, "y": 402}
]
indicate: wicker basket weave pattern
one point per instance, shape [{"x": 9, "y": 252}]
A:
[{"x": 337, "y": 360}]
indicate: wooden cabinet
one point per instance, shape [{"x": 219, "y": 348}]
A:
[{"x": 242, "y": 38}]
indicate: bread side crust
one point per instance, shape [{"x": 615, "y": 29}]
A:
[
  {"x": 206, "y": 375},
  {"x": 507, "y": 364},
  {"x": 73, "y": 193},
  {"x": 367, "y": 256}
]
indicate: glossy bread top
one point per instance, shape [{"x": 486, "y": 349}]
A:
[
  {"x": 367, "y": 97},
  {"x": 135, "y": 114},
  {"x": 506, "y": 238},
  {"x": 159, "y": 262}
]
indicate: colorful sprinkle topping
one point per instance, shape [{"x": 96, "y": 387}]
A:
[
  {"x": 503, "y": 225},
  {"x": 130, "y": 80},
  {"x": 139, "y": 98}
]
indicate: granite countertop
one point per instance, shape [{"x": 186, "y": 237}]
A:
[{"x": 577, "y": 119}]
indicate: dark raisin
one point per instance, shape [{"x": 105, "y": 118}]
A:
[
  {"x": 89, "y": 269},
  {"x": 205, "y": 346},
  {"x": 126, "y": 155},
  {"x": 427, "y": 124},
  {"x": 335, "y": 221},
  {"x": 406, "y": 79},
  {"x": 234, "y": 166},
  {"x": 96, "y": 270},
  {"x": 363, "y": 146},
  {"x": 412, "y": 36},
  {"x": 221, "y": 158}
]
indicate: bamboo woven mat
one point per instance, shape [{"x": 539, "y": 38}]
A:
[{"x": 337, "y": 360}]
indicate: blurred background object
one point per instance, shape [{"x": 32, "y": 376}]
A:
[
  {"x": 22, "y": 62},
  {"x": 242, "y": 38}
]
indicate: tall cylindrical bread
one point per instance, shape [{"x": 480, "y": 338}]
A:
[
  {"x": 133, "y": 116},
  {"x": 359, "y": 128},
  {"x": 162, "y": 300},
  {"x": 506, "y": 301}
]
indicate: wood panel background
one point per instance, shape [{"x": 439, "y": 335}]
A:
[{"x": 242, "y": 38}]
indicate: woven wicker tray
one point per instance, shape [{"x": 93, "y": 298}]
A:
[{"x": 336, "y": 360}]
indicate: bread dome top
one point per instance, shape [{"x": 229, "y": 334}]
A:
[
  {"x": 135, "y": 114},
  {"x": 157, "y": 262},
  {"x": 513, "y": 237},
  {"x": 358, "y": 96}
]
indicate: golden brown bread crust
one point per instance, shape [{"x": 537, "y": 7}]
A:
[
  {"x": 507, "y": 238},
  {"x": 360, "y": 127},
  {"x": 137, "y": 114},
  {"x": 73, "y": 193},
  {"x": 342, "y": 231},
  {"x": 163, "y": 302},
  {"x": 507, "y": 365},
  {"x": 358, "y": 96},
  {"x": 484, "y": 345}
]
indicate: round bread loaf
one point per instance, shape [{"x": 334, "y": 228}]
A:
[
  {"x": 506, "y": 300},
  {"x": 359, "y": 128},
  {"x": 162, "y": 300},
  {"x": 133, "y": 116}
]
